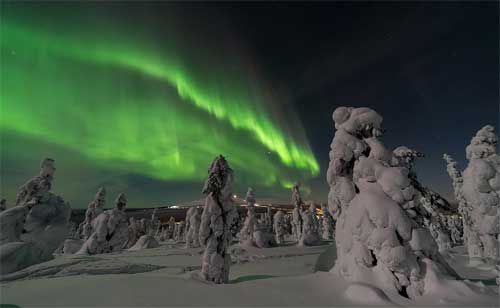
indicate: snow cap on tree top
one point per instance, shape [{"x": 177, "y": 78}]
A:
[
  {"x": 101, "y": 193},
  {"x": 483, "y": 144},
  {"x": 355, "y": 120},
  {"x": 217, "y": 175},
  {"x": 121, "y": 201}
]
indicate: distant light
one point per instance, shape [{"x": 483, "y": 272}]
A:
[
  {"x": 174, "y": 207},
  {"x": 234, "y": 196},
  {"x": 256, "y": 204}
]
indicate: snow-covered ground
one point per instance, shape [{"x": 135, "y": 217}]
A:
[{"x": 163, "y": 276}]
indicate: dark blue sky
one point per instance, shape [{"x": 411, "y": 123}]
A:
[{"x": 431, "y": 70}]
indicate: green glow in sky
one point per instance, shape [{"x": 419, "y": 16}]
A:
[{"x": 129, "y": 106}]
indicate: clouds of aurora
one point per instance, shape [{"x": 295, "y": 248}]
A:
[{"x": 128, "y": 105}]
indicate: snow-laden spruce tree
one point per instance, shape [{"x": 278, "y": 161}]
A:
[
  {"x": 170, "y": 229},
  {"x": 432, "y": 204},
  {"x": 327, "y": 223},
  {"x": 93, "y": 210},
  {"x": 154, "y": 226},
  {"x": 179, "y": 232},
  {"x": 269, "y": 219},
  {"x": 32, "y": 230},
  {"x": 133, "y": 232},
  {"x": 216, "y": 220},
  {"x": 110, "y": 230},
  {"x": 150, "y": 231},
  {"x": 279, "y": 226},
  {"x": 379, "y": 240},
  {"x": 193, "y": 221},
  {"x": 86, "y": 228},
  {"x": 313, "y": 211},
  {"x": 481, "y": 191},
  {"x": 455, "y": 227},
  {"x": 463, "y": 208},
  {"x": 309, "y": 235},
  {"x": 246, "y": 235},
  {"x": 297, "y": 212},
  {"x": 187, "y": 222}
]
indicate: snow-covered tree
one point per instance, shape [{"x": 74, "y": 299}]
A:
[
  {"x": 315, "y": 221},
  {"x": 154, "y": 226},
  {"x": 297, "y": 212},
  {"x": 33, "y": 191},
  {"x": 110, "y": 230},
  {"x": 94, "y": 208},
  {"x": 170, "y": 229},
  {"x": 38, "y": 224},
  {"x": 454, "y": 225},
  {"x": 237, "y": 225},
  {"x": 327, "y": 223},
  {"x": 246, "y": 235},
  {"x": 179, "y": 232},
  {"x": 481, "y": 191},
  {"x": 192, "y": 228},
  {"x": 187, "y": 222},
  {"x": 379, "y": 240},
  {"x": 279, "y": 226},
  {"x": 309, "y": 235},
  {"x": 288, "y": 225},
  {"x": 457, "y": 182},
  {"x": 269, "y": 219},
  {"x": 432, "y": 203},
  {"x": 133, "y": 233},
  {"x": 216, "y": 220}
]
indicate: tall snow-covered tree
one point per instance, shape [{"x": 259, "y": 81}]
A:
[
  {"x": 380, "y": 236},
  {"x": 216, "y": 219}
]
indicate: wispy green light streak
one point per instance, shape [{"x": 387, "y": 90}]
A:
[
  {"x": 107, "y": 99},
  {"x": 240, "y": 113}
]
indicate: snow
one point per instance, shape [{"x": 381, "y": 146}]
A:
[
  {"x": 282, "y": 276},
  {"x": 394, "y": 246},
  {"x": 477, "y": 190},
  {"x": 33, "y": 229},
  {"x": 376, "y": 198},
  {"x": 216, "y": 221}
]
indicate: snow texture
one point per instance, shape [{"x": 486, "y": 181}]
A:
[
  {"x": 246, "y": 235},
  {"x": 145, "y": 242},
  {"x": 193, "y": 221},
  {"x": 110, "y": 230},
  {"x": 309, "y": 235},
  {"x": 481, "y": 191},
  {"x": 93, "y": 210},
  {"x": 279, "y": 227},
  {"x": 32, "y": 230},
  {"x": 179, "y": 232},
  {"x": 216, "y": 220},
  {"x": 297, "y": 213},
  {"x": 154, "y": 225},
  {"x": 327, "y": 224},
  {"x": 380, "y": 235}
]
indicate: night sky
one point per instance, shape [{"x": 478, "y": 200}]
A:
[{"x": 140, "y": 97}]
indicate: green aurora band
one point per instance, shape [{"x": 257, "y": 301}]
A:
[{"x": 130, "y": 107}]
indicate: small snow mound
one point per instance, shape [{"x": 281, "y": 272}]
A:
[
  {"x": 71, "y": 246},
  {"x": 326, "y": 260},
  {"x": 366, "y": 294},
  {"x": 145, "y": 242}
]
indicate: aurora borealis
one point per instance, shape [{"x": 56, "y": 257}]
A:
[
  {"x": 141, "y": 96},
  {"x": 128, "y": 104}
]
